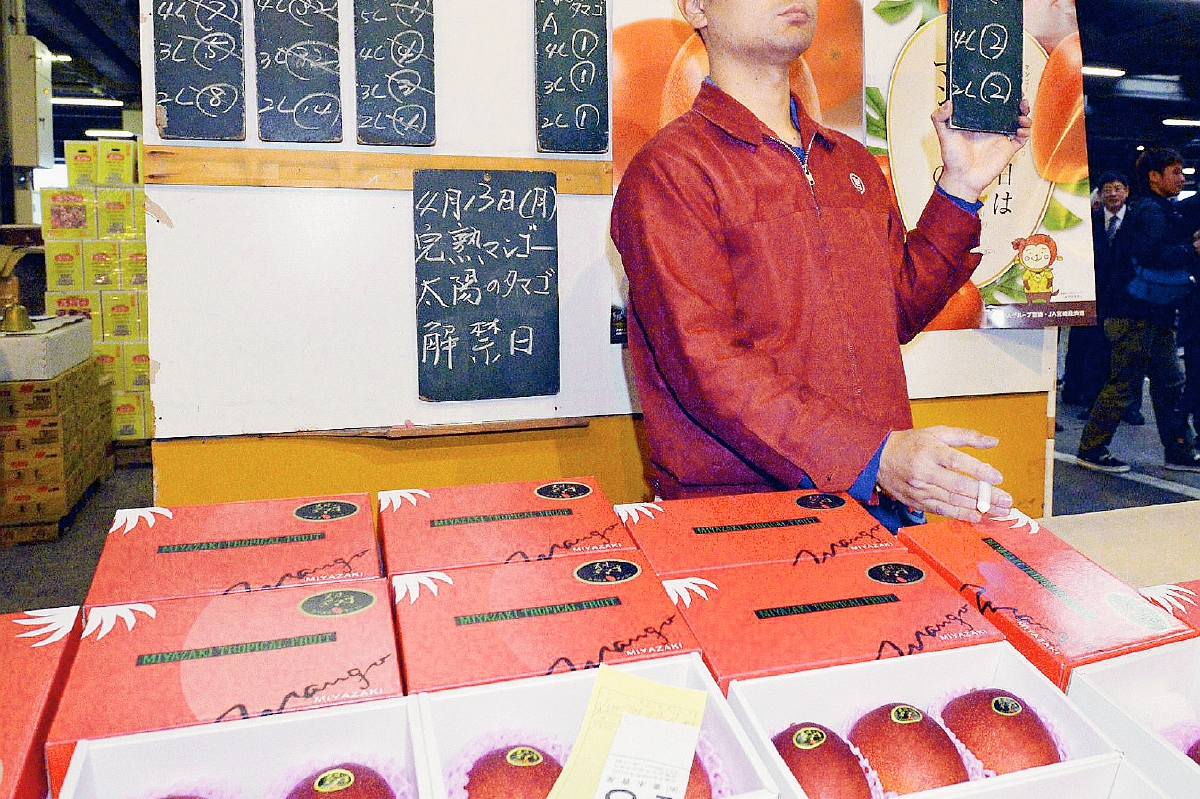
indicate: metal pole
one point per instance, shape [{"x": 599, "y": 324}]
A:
[{"x": 11, "y": 23}]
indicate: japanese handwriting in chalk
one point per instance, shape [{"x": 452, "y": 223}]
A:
[
  {"x": 572, "y": 75},
  {"x": 486, "y": 255},
  {"x": 394, "y": 71},
  {"x": 199, "y": 73},
  {"x": 299, "y": 94}
]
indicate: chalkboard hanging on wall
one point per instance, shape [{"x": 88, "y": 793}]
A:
[
  {"x": 572, "y": 76},
  {"x": 487, "y": 284},
  {"x": 299, "y": 97},
  {"x": 199, "y": 72},
  {"x": 985, "y": 54},
  {"x": 393, "y": 44}
]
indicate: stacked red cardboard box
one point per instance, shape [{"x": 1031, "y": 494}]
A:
[
  {"x": 1055, "y": 605},
  {"x": 223, "y": 612},
  {"x": 54, "y": 442},
  {"x": 36, "y": 650},
  {"x": 95, "y": 234},
  {"x": 519, "y": 579}
]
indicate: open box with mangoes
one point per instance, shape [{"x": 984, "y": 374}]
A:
[{"x": 975, "y": 721}]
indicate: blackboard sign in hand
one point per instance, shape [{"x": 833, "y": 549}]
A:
[
  {"x": 199, "y": 71},
  {"x": 393, "y": 45},
  {"x": 985, "y": 55},
  {"x": 486, "y": 284},
  {"x": 299, "y": 94},
  {"x": 572, "y": 76}
]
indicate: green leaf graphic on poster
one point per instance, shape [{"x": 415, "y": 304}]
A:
[
  {"x": 1059, "y": 217},
  {"x": 876, "y": 112},
  {"x": 1080, "y": 188},
  {"x": 1009, "y": 284},
  {"x": 877, "y": 150},
  {"x": 893, "y": 11}
]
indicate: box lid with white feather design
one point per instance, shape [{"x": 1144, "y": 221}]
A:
[
  {"x": 484, "y": 624},
  {"x": 172, "y": 663},
  {"x": 1180, "y": 599},
  {"x": 36, "y": 649},
  {"x": 679, "y": 536},
  {"x": 197, "y": 550},
  {"x": 775, "y": 618},
  {"x": 1058, "y": 608},
  {"x": 474, "y": 525}
]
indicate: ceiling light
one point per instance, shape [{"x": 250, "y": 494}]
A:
[
  {"x": 59, "y": 57},
  {"x": 1150, "y": 87},
  {"x": 1103, "y": 72},
  {"x": 1182, "y": 123},
  {"x": 113, "y": 133},
  {"x": 1141, "y": 147},
  {"x": 102, "y": 101},
  {"x": 1189, "y": 170}
]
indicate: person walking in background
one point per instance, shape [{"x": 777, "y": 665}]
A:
[
  {"x": 1086, "y": 368},
  {"x": 1144, "y": 266},
  {"x": 1189, "y": 318}
]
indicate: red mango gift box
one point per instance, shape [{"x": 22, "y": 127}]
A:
[
  {"x": 441, "y": 528},
  {"x": 194, "y": 550},
  {"x": 775, "y": 618},
  {"x": 482, "y": 624},
  {"x": 679, "y": 536},
  {"x": 1058, "y": 608},
  {"x": 197, "y": 660},
  {"x": 36, "y": 649},
  {"x": 1181, "y": 599}
]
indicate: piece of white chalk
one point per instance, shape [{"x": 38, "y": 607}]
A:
[{"x": 984, "y": 502}]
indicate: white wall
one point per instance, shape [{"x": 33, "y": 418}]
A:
[{"x": 280, "y": 309}]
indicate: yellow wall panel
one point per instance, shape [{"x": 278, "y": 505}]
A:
[{"x": 194, "y": 471}]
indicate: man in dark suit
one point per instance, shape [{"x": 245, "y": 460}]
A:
[
  {"x": 1086, "y": 367},
  {"x": 1141, "y": 333}
]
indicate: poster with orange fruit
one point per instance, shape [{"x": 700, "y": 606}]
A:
[
  {"x": 876, "y": 71},
  {"x": 1036, "y": 245},
  {"x": 658, "y": 63}
]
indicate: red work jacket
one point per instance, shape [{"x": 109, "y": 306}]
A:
[{"x": 767, "y": 309}]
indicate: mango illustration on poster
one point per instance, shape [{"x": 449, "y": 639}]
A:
[
  {"x": 1043, "y": 193},
  {"x": 658, "y": 63}
]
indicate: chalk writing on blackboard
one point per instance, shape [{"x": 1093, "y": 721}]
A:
[
  {"x": 486, "y": 284},
  {"x": 299, "y": 97},
  {"x": 393, "y": 43},
  {"x": 985, "y": 57},
  {"x": 572, "y": 76},
  {"x": 199, "y": 72}
]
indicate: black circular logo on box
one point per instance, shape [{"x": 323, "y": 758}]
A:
[
  {"x": 563, "y": 490},
  {"x": 895, "y": 573},
  {"x": 337, "y": 603},
  {"x": 607, "y": 571},
  {"x": 326, "y": 510},
  {"x": 820, "y": 501}
]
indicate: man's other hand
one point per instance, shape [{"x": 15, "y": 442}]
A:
[
  {"x": 922, "y": 469},
  {"x": 973, "y": 159}
]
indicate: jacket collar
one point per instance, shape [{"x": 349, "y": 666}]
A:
[{"x": 735, "y": 119}]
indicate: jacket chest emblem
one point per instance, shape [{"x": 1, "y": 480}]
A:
[{"x": 857, "y": 183}]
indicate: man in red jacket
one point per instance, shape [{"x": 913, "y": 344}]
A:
[{"x": 772, "y": 283}]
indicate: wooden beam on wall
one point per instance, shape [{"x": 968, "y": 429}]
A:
[{"x": 331, "y": 169}]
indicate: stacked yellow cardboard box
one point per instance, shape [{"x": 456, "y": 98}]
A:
[
  {"x": 95, "y": 233},
  {"x": 54, "y": 437}
]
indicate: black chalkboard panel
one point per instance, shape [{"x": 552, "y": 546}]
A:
[
  {"x": 572, "y": 76},
  {"x": 199, "y": 72},
  {"x": 299, "y": 97},
  {"x": 487, "y": 284},
  {"x": 984, "y": 46},
  {"x": 393, "y": 45}
]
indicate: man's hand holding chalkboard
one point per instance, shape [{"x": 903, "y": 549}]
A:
[{"x": 971, "y": 159}]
